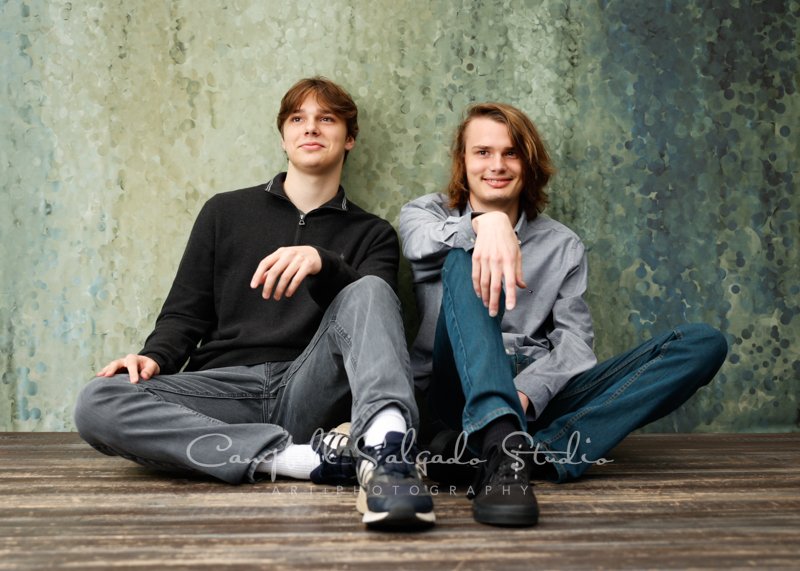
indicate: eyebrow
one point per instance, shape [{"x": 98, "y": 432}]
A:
[
  {"x": 488, "y": 147},
  {"x": 322, "y": 110}
]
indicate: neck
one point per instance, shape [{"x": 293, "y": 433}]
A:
[{"x": 310, "y": 191}]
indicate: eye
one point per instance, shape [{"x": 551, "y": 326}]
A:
[
  {"x": 328, "y": 119},
  {"x": 294, "y": 119},
  {"x": 482, "y": 153},
  {"x": 512, "y": 153}
]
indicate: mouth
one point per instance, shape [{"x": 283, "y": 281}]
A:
[
  {"x": 497, "y": 182},
  {"x": 312, "y": 146}
]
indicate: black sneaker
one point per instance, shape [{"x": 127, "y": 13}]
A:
[
  {"x": 392, "y": 495},
  {"x": 503, "y": 494},
  {"x": 337, "y": 460}
]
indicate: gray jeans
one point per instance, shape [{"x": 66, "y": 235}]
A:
[{"x": 223, "y": 422}]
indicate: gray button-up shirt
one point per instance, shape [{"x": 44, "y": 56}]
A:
[{"x": 551, "y": 323}]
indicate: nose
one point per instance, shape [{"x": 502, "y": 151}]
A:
[
  {"x": 498, "y": 163},
  {"x": 311, "y": 126}
]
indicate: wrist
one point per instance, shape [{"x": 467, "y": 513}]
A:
[
  {"x": 524, "y": 400},
  {"x": 474, "y": 219}
]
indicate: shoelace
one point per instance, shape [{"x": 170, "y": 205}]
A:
[
  {"x": 395, "y": 448},
  {"x": 509, "y": 470},
  {"x": 500, "y": 469},
  {"x": 331, "y": 447}
]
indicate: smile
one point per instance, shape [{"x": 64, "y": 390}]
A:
[{"x": 497, "y": 182}]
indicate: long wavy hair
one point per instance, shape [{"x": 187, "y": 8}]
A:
[{"x": 537, "y": 168}]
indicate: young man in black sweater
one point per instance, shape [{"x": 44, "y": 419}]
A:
[{"x": 282, "y": 320}]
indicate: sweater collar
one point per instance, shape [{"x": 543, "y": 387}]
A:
[{"x": 275, "y": 186}]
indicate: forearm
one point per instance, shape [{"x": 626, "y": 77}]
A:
[
  {"x": 382, "y": 261},
  {"x": 429, "y": 231}
]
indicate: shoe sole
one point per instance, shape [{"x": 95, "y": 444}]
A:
[
  {"x": 399, "y": 518},
  {"x": 506, "y": 517},
  {"x": 402, "y": 518}
]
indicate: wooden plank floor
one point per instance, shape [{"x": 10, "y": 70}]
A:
[{"x": 667, "y": 501}]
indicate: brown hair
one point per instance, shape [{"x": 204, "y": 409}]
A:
[
  {"x": 328, "y": 94},
  {"x": 536, "y": 165}
]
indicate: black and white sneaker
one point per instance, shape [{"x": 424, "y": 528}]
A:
[
  {"x": 392, "y": 494},
  {"x": 337, "y": 460},
  {"x": 502, "y": 493}
]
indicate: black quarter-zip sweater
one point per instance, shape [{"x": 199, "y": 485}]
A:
[{"x": 214, "y": 319}]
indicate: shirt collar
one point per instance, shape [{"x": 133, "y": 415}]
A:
[{"x": 275, "y": 186}]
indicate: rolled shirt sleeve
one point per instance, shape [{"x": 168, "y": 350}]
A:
[{"x": 429, "y": 230}]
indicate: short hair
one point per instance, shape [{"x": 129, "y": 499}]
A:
[
  {"x": 537, "y": 167},
  {"x": 328, "y": 94}
]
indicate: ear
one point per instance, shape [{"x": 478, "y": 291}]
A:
[
  {"x": 283, "y": 144},
  {"x": 349, "y": 143}
]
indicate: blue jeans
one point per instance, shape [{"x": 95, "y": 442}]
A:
[
  {"x": 473, "y": 382},
  {"x": 223, "y": 422}
]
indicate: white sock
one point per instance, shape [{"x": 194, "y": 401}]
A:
[
  {"x": 388, "y": 419},
  {"x": 295, "y": 461}
]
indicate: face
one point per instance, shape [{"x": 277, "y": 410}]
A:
[
  {"x": 315, "y": 139},
  {"x": 494, "y": 169}
]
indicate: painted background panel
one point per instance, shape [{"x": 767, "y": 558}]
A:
[{"x": 674, "y": 126}]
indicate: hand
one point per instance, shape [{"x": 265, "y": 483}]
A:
[
  {"x": 284, "y": 270},
  {"x": 138, "y": 366},
  {"x": 524, "y": 401},
  {"x": 496, "y": 259}
]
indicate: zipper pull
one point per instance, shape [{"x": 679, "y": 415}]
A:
[{"x": 302, "y": 220}]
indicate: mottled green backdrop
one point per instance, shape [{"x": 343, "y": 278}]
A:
[{"x": 674, "y": 125}]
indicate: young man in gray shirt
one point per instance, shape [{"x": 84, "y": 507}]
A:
[{"x": 504, "y": 349}]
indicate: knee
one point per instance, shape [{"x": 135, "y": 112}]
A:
[
  {"x": 707, "y": 342},
  {"x": 372, "y": 284},
  {"x": 368, "y": 289},
  {"x": 94, "y": 409}
]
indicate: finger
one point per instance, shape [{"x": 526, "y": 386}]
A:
[
  {"x": 519, "y": 278},
  {"x": 258, "y": 275},
  {"x": 286, "y": 278},
  {"x": 273, "y": 275},
  {"x": 131, "y": 363},
  {"x": 492, "y": 273},
  {"x": 263, "y": 267},
  {"x": 495, "y": 292},
  {"x": 510, "y": 281},
  {"x": 486, "y": 282},
  {"x": 476, "y": 274},
  {"x": 149, "y": 368},
  {"x": 110, "y": 369},
  {"x": 298, "y": 278}
]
